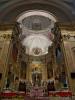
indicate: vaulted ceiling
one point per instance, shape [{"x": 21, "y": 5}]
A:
[{"x": 64, "y": 10}]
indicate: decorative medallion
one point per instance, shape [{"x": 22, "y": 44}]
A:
[{"x": 37, "y": 51}]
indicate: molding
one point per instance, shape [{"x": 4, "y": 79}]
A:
[
  {"x": 67, "y": 26},
  {"x": 6, "y": 26}
]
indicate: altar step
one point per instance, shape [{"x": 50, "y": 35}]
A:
[
  {"x": 40, "y": 98},
  {"x": 49, "y": 98},
  {"x": 37, "y": 98}
]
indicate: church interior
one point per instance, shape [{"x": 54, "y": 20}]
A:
[{"x": 37, "y": 50}]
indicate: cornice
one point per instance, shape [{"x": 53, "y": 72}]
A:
[
  {"x": 67, "y": 26},
  {"x": 6, "y": 26}
]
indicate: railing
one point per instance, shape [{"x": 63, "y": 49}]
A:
[
  {"x": 12, "y": 95},
  {"x": 60, "y": 95},
  {"x": 53, "y": 95}
]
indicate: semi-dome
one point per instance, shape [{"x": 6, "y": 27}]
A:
[{"x": 37, "y": 44}]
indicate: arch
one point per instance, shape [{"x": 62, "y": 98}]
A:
[
  {"x": 52, "y": 4},
  {"x": 37, "y": 12}
]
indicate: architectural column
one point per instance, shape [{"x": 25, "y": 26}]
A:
[
  {"x": 28, "y": 72},
  {"x": 5, "y": 38},
  {"x": 69, "y": 55},
  {"x": 44, "y": 72}
]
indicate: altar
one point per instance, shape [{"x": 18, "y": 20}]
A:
[{"x": 37, "y": 92}]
